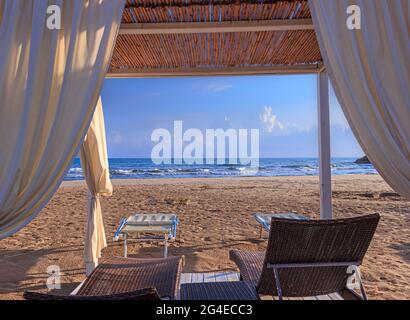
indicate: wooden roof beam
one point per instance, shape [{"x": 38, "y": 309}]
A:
[
  {"x": 216, "y": 27},
  {"x": 213, "y": 71}
]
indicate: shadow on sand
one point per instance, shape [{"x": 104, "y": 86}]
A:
[
  {"x": 26, "y": 269},
  {"x": 191, "y": 253},
  {"x": 19, "y": 269},
  {"x": 403, "y": 250}
]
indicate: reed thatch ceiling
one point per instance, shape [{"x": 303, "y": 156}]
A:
[{"x": 157, "y": 37}]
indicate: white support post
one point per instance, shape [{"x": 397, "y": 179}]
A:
[{"x": 325, "y": 176}]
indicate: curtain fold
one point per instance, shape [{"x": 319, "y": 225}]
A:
[
  {"x": 370, "y": 72},
  {"x": 94, "y": 161},
  {"x": 50, "y": 81}
]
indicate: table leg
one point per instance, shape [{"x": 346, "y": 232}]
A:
[
  {"x": 166, "y": 247},
  {"x": 261, "y": 232}
]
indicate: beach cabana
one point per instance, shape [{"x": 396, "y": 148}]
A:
[{"x": 51, "y": 77}]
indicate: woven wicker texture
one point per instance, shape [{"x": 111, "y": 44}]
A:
[
  {"x": 314, "y": 241},
  {"x": 119, "y": 275},
  {"x": 142, "y": 294},
  {"x": 250, "y": 264},
  {"x": 147, "y": 11},
  {"x": 237, "y": 49},
  {"x": 233, "y": 290}
]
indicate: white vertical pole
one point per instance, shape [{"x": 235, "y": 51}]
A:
[{"x": 325, "y": 176}]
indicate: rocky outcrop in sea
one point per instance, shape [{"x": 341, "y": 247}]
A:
[{"x": 363, "y": 160}]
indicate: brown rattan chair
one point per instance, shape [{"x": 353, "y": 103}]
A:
[
  {"x": 121, "y": 275},
  {"x": 142, "y": 294},
  {"x": 309, "y": 258}
]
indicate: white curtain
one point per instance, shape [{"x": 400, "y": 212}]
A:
[
  {"x": 94, "y": 161},
  {"x": 50, "y": 81},
  {"x": 370, "y": 71}
]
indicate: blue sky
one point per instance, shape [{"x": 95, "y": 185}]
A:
[{"x": 282, "y": 107}]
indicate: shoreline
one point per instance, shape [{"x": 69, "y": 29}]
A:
[
  {"x": 137, "y": 181},
  {"x": 123, "y": 168}
]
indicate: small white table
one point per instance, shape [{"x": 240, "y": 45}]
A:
[
  {"x": 264, "y": 219},
  {"x": 160, "y": 227}
]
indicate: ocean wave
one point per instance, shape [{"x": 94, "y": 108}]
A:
[
  {"x": 145, "y": 168},
  {"x": 299, "y": 166},
  {"x": 121, "y": 172}
]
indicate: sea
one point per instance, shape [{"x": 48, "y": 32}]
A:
[{"x": 126, "y": 168}]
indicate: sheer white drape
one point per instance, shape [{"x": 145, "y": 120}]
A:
[
  {"x": 94, "y": 161},
  {"x": 370, "y": 71},
  {"x": 50, "y": 81}
]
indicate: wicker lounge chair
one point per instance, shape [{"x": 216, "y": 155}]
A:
[
  {"x": 309, "y": 258},
  {"x": 120, "y": 278},
  {"x": 120, "y": 275},
  {"x": 127, "y": 279},
  {"x": 142, "y": 294}
]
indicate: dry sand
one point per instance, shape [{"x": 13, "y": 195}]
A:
[{"x": 216, "y": 216}]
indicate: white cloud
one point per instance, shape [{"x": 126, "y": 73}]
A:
[
  {"x": 117, "y": 138},
  {"x": 342, "y": 125},
  {"x": 271, "y": 123},
  {"x": 270, "y": 120},
  {"x": 218, "y": 87}
]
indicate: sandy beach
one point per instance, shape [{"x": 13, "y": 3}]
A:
[{"x": 215, "y": 216}]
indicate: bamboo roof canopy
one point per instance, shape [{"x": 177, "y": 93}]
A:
[{"x": 215, "y": 37}]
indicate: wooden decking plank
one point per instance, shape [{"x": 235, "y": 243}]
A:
[
  {"x": 197, "y": 277},
  {"x": 232, "y": 276},
  {"x": 185, "y": 278},
  {"x": 209, "y": 277},
  {"x": 221, "y": 277}
]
